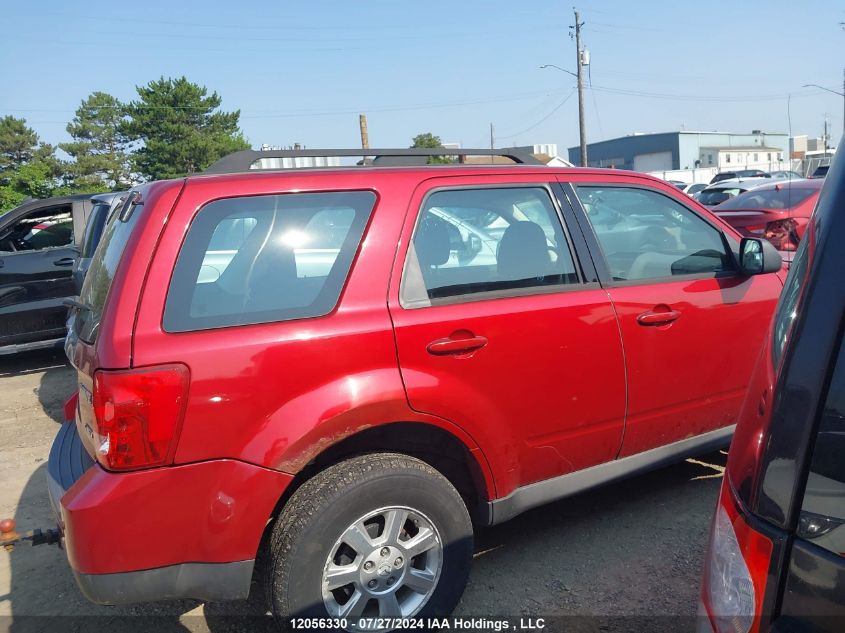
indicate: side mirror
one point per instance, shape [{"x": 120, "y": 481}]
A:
[{"x": 758, "y": 257}]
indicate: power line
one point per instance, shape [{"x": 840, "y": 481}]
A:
[
  {"x": 676, "y": 97},
  {"x": 545, "y": 118},
  {"x": 270, "y": 114},
  {"x": 392, "y": 28}
]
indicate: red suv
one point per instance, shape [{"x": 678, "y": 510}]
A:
[{"x": 337, "y": 372}]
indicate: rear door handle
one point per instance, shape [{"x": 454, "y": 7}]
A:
[
  {"x": 64, "y": 261},
  {"x": 446, "y": 346},
  {"x": 658, "y": 317}
]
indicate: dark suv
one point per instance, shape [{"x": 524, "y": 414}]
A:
[
  {"x": 776, "y": 560},
  {"x": 337, "y": 371}
]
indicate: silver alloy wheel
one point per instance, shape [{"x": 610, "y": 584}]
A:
[{"x": 386, "y": 564}]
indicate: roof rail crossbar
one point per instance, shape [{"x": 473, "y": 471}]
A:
[{"x": 244, "y": 160}]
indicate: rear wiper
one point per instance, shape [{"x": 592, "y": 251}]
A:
[{"x": 73, "y": 303}]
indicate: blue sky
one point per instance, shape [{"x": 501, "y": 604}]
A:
[{"x": 302, "y": 71}]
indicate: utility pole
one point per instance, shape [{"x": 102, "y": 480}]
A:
[
  {"x": 491, "y": 143},
  {"x": 825, "y": 137},
  {"x": 580, "y": 76},
  {"x": 365, "y": 136}
]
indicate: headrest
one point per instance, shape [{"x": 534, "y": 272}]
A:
[
  {"x": 523, "y": 252},
  {"x": 432, "y": 242}
]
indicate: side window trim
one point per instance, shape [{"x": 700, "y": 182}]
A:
[
  {"x": 602, "y": 268},
  {"x": 596, "y": 256},
  {"x": 411, "y": 280}
]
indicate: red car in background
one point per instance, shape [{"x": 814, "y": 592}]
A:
[{"x": 779, "y": 211}]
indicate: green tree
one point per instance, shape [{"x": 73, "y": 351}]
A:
[
  {"x": 430, "y": 141},
  {"x": 28, "y": 168},
  {"x": 18, "y": 143},
  {"x": 181, "y": 129},
  {"x": 99, "y": 151}
]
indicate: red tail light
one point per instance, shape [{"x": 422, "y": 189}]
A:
[
  {"x": 783, "y": 234},
  {"x": 139, "y": 415},
  {"x": 735, "y": 570}
]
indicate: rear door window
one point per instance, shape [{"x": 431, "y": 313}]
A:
[
  {"x": 261, "y": 259},
  {"x": 495, "y": 239}
]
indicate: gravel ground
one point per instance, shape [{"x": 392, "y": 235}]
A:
[{"x": 627, "y": 557}]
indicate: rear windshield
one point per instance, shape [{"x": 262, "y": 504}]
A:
[
  {"x": 774, "y": 198},
  {"x": 98, "y": 279},
  {"x": 716, "y": 196},
  {"x": 260, "y": 259}
]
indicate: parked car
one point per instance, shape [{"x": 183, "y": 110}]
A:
[
  {"x": 103, "y": 204},
  {"x": 39, "y": 243},
  {"x": 778, "y": 211},
  {"x": 694, "y": 188},
  {"x": 739, "y": 173},
  {"x": 457, "y": 359},
  {"x": 789, "y": 175},
  {"x": 775, "y": 559},
  {"x": 680, "y": 184},
  {"x": 727, "y": 189}
]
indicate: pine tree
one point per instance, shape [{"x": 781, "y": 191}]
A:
[
  {"x": 99, "y": 150},
  {"x": 181, "y": 129}
]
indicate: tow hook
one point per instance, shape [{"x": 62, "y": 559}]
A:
[{"x": 9, "y": 537}]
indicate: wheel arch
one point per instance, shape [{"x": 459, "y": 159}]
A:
[{"x": 461, "y": 462}]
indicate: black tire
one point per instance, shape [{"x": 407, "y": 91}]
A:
[{"x": 319, "y": 512}]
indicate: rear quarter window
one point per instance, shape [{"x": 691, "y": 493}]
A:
[{"x": 261, "y": 259}]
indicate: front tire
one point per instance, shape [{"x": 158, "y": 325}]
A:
[{"x": 383, "y": 535}]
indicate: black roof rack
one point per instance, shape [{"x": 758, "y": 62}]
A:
[{"x": 244, "y": 160}]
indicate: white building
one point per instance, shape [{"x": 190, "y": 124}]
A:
[{"x": 738, "y": 157}]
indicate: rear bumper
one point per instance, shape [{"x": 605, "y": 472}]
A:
[{"x": 188, "y": 531}]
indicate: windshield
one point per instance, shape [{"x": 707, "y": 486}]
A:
[
  {"x": 104, "y": 264},
  {"x": 774, "y": 198}
]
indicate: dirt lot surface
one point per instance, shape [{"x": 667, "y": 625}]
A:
[{"x": 628, "y": 551}]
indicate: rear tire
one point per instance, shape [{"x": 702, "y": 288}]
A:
[{"x": 380, "y": 535}]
